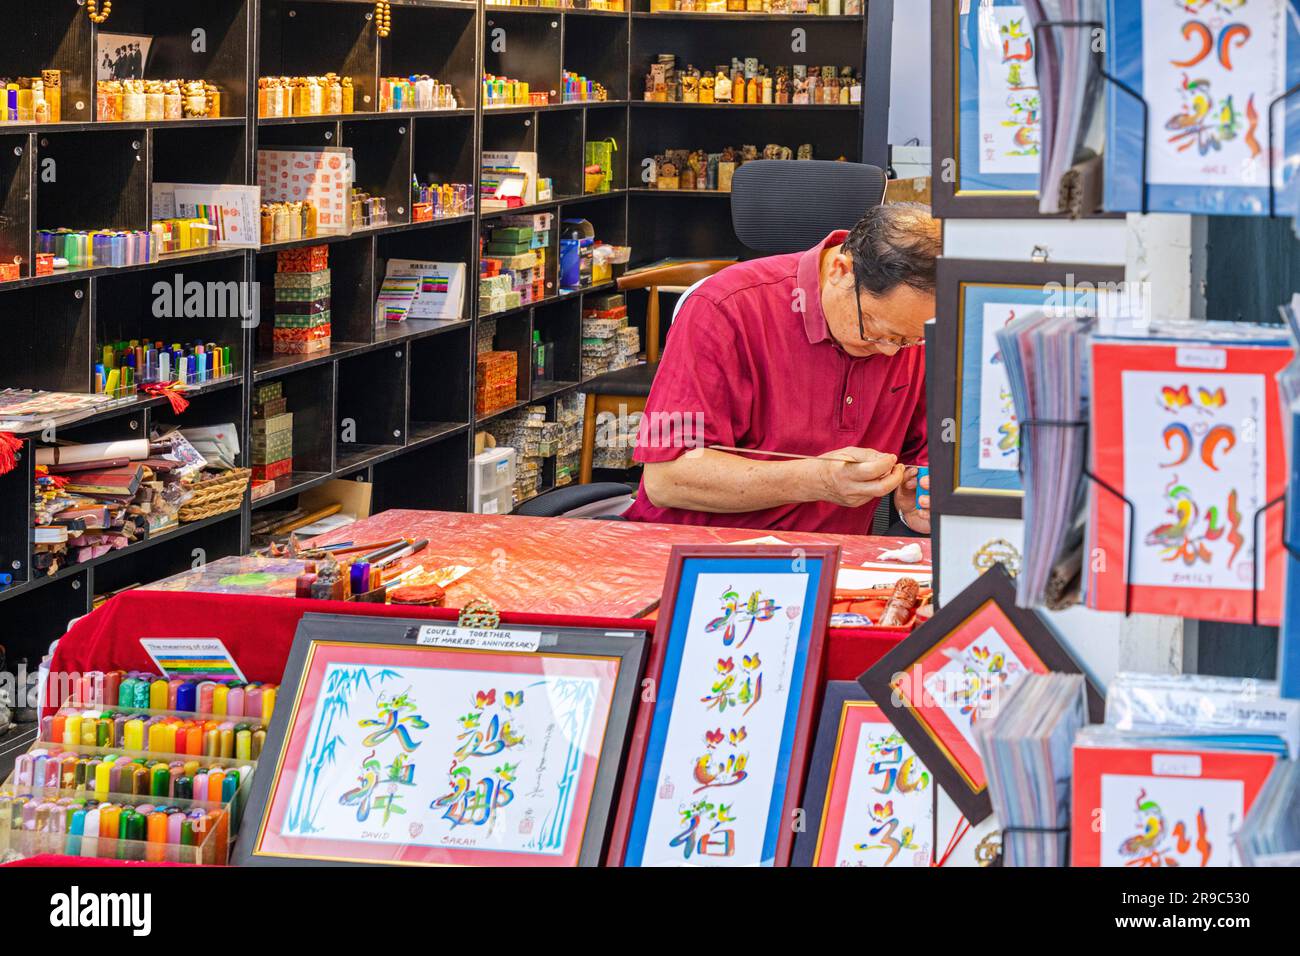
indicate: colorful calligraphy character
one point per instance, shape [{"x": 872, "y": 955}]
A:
[{"x": 393, "y": 721}]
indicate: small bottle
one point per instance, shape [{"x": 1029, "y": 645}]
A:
[{"x": 539, "y": 357}]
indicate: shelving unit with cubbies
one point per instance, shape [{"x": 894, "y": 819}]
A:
[{"x": 389, "y": 404}]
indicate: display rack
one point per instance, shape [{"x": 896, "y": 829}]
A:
[{"x": 406, "y": 389}]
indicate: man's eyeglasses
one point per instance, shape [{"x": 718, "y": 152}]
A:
[{"x": 895, "y": 343}]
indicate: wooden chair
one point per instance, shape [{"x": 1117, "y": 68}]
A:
[{"x": 625, "y": 391}]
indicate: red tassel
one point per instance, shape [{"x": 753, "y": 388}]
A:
[
  {"x": 178, "y": 401},
  {"x": 9, "y": 449}
]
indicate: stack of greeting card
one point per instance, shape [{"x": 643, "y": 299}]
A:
[
  {"x": 1026, "y": 753},
  {"x": 1045, "y": 356},
  {"x": 1187, "y": 427}
]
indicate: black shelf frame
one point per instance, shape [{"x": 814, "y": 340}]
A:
[{"x": 410, "y": 387}]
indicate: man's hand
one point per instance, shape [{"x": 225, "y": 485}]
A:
[
  {"x": 912, "y": 499},
  {"x": 864, "y": 477}
]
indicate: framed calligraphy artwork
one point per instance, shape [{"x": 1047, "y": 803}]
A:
[
  {"x": 953, "y": 671},
  {"x": 717, "y": 761},
  {"x": 870, "y": 800},
  {"x": 975, "y": 433},
  {"x": 394, "y": 752},
  {"x": 987, "y": 121}
]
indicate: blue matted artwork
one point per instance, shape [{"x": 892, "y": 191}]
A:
[
  {"x": 1220, "y": 63},
  {"x": 690, "y": 808},
  {"x": 998, "y": 98}
]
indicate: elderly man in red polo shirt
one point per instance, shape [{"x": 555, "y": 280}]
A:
[{"x": 818, "y": 353}]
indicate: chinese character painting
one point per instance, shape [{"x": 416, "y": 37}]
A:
[
  {"x": 409, "y": 755},
  {"x": 1137, "y": 806},
  {"x": 1192, "y": 436},
  {"x": 955, "y": 671},
  {"x": 1210, "y": 70},
  {"x": 870, "y": 799},
  {"x": 721, "y": 766}
]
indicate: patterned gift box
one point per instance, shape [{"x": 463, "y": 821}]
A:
[
  {"x": 273, "y": 425},
  {"x": 301, "y": 341},
  {"x": 303, "y": 307},
  {"x": 492, "y": 285},
  {"x": 303, "y": 259},
  {"x": 309, "y": 321},
  {"x": 276, "y": 406},
  {"x": 272, "y": 448},
  {"x": 268, "y": 392},
  {"x": 273, "y": 470},
  {"x": 319, "y": 281}
]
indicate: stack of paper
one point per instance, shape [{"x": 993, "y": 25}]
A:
[
  {"x": 1046, "y": 358},
  {"x": 1271, "y": 834},
  {"x": 1226, "y": 711},
  {"x": 1027, "y": 753},
  {"x": 1070, "y": 93}
]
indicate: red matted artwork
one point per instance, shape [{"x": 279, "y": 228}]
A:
[
  {"x": 870, "y": 799},
  {"x": 960, "y": 681},
  {"x": 1145, "y": 807},
  {"x": 422, "y": 755},
  {"x": 954, "y": 671},
  {"x": 1192, "y": 436}
]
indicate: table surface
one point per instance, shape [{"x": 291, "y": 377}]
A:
[{"x": 569, "y": 565}]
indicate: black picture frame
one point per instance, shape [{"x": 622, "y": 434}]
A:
[
  {"x": 631, "y": 646},
  {"x": 945, "y": 372},
  {"x": 820, "y": 771},
  {"x": 948, "y": 200},
  {"x": 993, "y": 586}
]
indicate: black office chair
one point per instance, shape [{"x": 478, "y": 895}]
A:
[{"x": 777, "y": 206}]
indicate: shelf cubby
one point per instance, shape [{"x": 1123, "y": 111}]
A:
[
  {"x": 201, "y": 301},
  {"x": 200, "y": 153},
  {"x": 48, "y": 337},
  {"x": 597, "y": 48},
  {"x": 92, "y": 179},
  {"x": 441, "y": 392},
  {"x": 312, "y": 39},
  {"x": 523, "y": 47},
  {"x": 370, "y": 415},
  {"x": 54, "y": 36},
  {"x": 560, "y": 323},
  {"x": 439, "y": 42},
  {"x": 432, "y": 477}
]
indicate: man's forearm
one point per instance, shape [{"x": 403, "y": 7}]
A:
[{"x": 716, "y": 482}]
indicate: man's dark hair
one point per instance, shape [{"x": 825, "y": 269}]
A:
[{"x": 895, "y": 245}]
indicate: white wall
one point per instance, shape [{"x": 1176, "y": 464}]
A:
[{"x": 909, "y": 107}]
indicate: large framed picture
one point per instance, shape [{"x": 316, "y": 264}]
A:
[
  {"x": 1210, "y": 72},
  {"x": 973, "y": 428},
  {"x": 718, "y": 757},
  {"x": 870, "y": 802},
  {"x": 953, "y": 672},
  {"x": 987, "y": 120},
  {"x": 401, "y": 746}
]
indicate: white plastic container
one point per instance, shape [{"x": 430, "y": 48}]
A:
[{"x": 492, "y": 481}]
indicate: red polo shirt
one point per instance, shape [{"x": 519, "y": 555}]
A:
[{"x": 744, "y": 368}]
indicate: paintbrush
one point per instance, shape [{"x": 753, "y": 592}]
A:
[{"x": 786, "y": 454}]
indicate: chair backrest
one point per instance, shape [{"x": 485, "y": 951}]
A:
[
  {"x": 675, "y": 275},
  {"x": 789, "y": 205}
]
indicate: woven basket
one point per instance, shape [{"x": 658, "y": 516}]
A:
[{"x": 217, "y": 495}]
